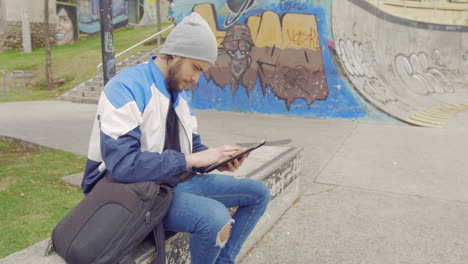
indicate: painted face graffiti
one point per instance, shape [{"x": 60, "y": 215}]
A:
[
  {"x": 238, "y": 44},
  {"x": 65, "y": 29},
  {"x": 289, "y": 65}
]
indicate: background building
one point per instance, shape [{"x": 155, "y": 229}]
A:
[
  {"x": 70, "y": 18},
  {"x": 13, "y": 12}
]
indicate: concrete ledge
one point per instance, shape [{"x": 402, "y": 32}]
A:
[
  {"x": 281, "y": 174},
  {"x": 277, "y": 167},
  {"x": 74, "y": 179},
  {"x": 24, "y": 143}
]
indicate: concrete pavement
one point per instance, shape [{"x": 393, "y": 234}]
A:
[{"x": 372, "y": 192}]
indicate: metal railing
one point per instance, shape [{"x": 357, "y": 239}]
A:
[
  {"x": 14, "y": 75},
  {"x": 136, "y": 45}
]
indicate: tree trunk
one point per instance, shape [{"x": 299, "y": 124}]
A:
[
  {"x": 158, "y": 11},
  {"x": 49, "y": 79}
]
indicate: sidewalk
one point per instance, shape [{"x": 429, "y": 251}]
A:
[{"x": 372, "y": 192}]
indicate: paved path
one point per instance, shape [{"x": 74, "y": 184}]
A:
[{"x": 372, "y": 192}]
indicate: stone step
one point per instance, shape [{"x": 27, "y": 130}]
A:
[
  {"x": 88, "y": 88},
  {"x": 96, "y": 83},
  {"x": 84, "y": 93},
  {"x": 277, "y": 167},
  {"x": 78, "y": 99}
]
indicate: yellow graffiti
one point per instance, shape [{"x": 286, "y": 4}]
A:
[
  {"x": 294, "y": 31},
  {"x": 269, "y": 31},
  {"x": 208, "y": 13},
  {"x": 300, "y": 31}
]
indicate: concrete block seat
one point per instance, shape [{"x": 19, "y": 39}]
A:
[{"x": 277, "y": 167}]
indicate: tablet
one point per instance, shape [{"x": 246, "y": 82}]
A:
[{"x": 217, "y": 165}]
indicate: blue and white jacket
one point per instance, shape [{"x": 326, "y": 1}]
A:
[{"x": 128, "y": 135}]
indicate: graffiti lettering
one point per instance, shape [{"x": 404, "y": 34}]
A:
[
  {"x": 299, "y": 37},
  {"x": 290, "y": 4},
  {"x": 415, "y": 72},
  {"x": 376, "y": 89},
  {"x": 355, "y": 59}
]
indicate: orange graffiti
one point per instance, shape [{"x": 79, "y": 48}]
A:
[{"x": 299, "y": 37}]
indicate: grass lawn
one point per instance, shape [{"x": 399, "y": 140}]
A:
[
  {"x": 72, "y": 64},
  {"x": 32, "y": 200}
]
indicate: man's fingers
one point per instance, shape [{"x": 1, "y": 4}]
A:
[
  {"x": 241, "y": 159},
  {"x": 231, "y": 166},
  {"x": 235, "y": 163},
  {"x": 227, "y": 148}
]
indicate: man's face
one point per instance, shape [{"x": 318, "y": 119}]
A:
[{"x": 185, "y": 72}]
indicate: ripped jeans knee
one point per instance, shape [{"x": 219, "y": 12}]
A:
[{"x": 223, "y": 234}]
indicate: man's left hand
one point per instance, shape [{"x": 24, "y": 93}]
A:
[{"x": 235, "y": 164}]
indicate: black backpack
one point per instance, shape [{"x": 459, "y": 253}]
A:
[{"x": 111, "y": 221}]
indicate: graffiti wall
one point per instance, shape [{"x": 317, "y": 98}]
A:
[
  {"x": 88, "y": 13},
  {"x": 148, "y": 14},
  {"x": 274, "y": 57}
]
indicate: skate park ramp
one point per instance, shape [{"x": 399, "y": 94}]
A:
[{"x": 415, "y": 72}]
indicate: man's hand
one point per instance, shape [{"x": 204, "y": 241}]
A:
[
  {"x": 210, "y": 156},
  {"x": 235, "y": 164}
]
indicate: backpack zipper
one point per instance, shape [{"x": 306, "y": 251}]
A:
[{"x": 148, "y": 217}]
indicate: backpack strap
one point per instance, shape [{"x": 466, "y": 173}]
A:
[{"x": 160, "y": 242}]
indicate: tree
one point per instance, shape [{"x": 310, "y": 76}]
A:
[{"x": 49, "y": 80}]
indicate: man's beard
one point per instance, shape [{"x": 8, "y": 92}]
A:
[{"x": 173, "y": 84}]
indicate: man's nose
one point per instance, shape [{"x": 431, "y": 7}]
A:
[{"x": 195, "y": 77}]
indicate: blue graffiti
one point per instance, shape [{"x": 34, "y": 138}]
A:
[{"x": 292, "y": 4}]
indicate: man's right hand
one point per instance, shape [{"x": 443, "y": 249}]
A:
[{"x": 210, "y": 156}]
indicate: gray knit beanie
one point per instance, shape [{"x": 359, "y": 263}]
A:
[{"x": 192, "y": 38}]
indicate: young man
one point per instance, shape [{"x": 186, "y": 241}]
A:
[{"x": 145, "y": 131}]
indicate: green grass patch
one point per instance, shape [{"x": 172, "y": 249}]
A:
[
  {"x": 32, "y": 199},
  {"x": 72, "y": 64}
]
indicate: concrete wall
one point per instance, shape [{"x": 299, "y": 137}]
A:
[
  {"x": 2, "y": 10},
  {"x": 35, "y": 9},
  {"x": 274, "y": 57},
  {"x": 415, "y": 72},
  {"x": 11, "y": 24},
  {"x": 434, "y": 11}
]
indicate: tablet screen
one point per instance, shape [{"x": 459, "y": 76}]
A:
[{"x": 217, "y": 165}]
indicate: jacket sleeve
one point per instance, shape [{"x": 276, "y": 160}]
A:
[
  {"x": 120, "y": 118},
  {"x": 127, "y": 163},
  {"x": 197, "y": 147}
]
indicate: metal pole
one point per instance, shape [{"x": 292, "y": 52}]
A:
[
  {"x": 4, "y": 83},
  {"x": 107, "y": 39},
  {"x": 24, "y": 82},
  {"x": 158, "y": 10},
  {"x": 13, "y": 76},
  {"x": 26, "y": 29}
]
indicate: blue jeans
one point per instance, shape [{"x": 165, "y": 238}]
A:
[{"x": 200, "y": 208}]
